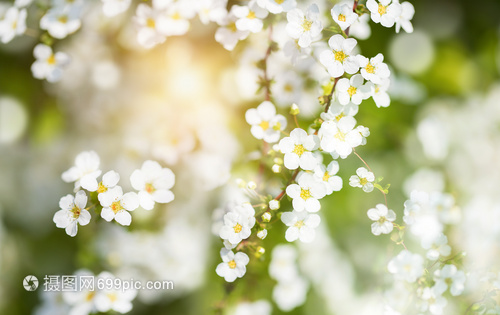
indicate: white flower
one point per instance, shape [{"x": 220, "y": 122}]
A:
[
  {"x": 260, "y": 307},
  {"x": 48, "y": 65},
  {"x": 437, "y": 247},
  {"x": 449, "y": 275},
  {"x": 153, "y": 183},
  {"x": 304, "y": 27},
  {"x": 406, "y": 266},
  {"x": 160, "y": 5},
  {"x": 288, "y": 88},
  {"x": 283, "y": 266},
  {"x": 384, "y": 12},
  {"x": 340, "y": 137},
  {"x": 297, "y": 149},
  {"x": 266, "y": 124},
  {"x": 403, "y": 20},
  {"x": 60, "y": 21},
  {"x": 337, "y": 111},
  {"x": 295, "y": 52},
  {"x": 72, "y": 212},
  {"x": 212, "y": 10},
  {"x": 249, "y": 17},
  {"x": 432, "y": 301},
  {"x": 306, "y": 192},
  {"x": 379, "y": 93},
  {"x": 233, "y": 265},
  {"x": 174, "y": 21},
  {"x": 361, "y": 28},
  {"x": 326, "y": 175},
  {"x": 364, "y": 132},
  {"x": 85, "y": 171},
  {"x": 116, "y": 205},
  {"x": 115, "y": 7},
  {"x": 117, "y": 299},
  {"x": 352, "y": 90},
  {"x": 383, "y": 218},
  {"x": 146, "y": 19},
  {"x": 363, "y": 179},
  {"x": 290, "y": 294},
  {"x": 343, "y": 15},
  {"x": 262, "y": 234},
  {"x": 109, "y": 180},
  {"x": 82, "y": 300},
  {"x": 22, "y": 3},
  {"x": 228, "y": 34},
  {"x": 277, "y": 6},
  {"x": 301, "y": 225},
  {"x": 422, "y": 218},
  {"x": 337, "y": 60},
  {"x": 12, "y": 24},
  {"x": 373, "y": 69},
  {"x": 238, "y": 223}
]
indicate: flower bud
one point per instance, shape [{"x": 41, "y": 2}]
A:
[
  {"x": 274, "y": 204},
  {"x": 260, "y": 251},
  {"x": 262, "y": 234},
  {"x": 294, "y": 109},
  {"x": 276, "y": 168},
  {"x": 266, "y": 217},
  {"x": 251, "y": 185}
]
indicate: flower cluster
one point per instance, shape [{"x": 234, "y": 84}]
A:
[
  {"x": 95, "y": 296},
  {"x": 425, "y": 215},
  {"x": 308, "y": 158},
  {"x": 291, "y": 288},
  {"x": 152, "y": 182}
]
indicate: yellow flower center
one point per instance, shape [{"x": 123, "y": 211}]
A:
[
  {"x": 305, "y": 194},
  {"x": 341, "y": 18},
  {"x": 326, "y": 176},
  {"x": 90, "y": 295},
  {"x": 363, "y": 181},
  {"x": 232, "y": 26},
  {"x": 101, "y": 188},
  {"x": 51, "y": 60},
  {"x": 150, "y": 23},
  {"x": 251, "y": 15},
  {"x": 277, "y": 126},
  {"x": 232, "y": 264},
  {"x": 116, "y": 206},
  {"x": 264, "y": 125},
  {"x": 288, "y": 88},
  {"x": 176, "y": 16},
  {"x": 63, "y": 19},
  {"x": 299, "y": 149},
  {"x": 299, "y": 224},
  {"x": 381, "y": 9},
  {"x": 340, "y": 55},
  {"x": 382, "y": 220},
  {"x": 306, "y": 25},
  {"x": 14, "y": 25},
  {"x": 237, "y": 228},
  {"x": 112, "y": 297},
  {"x": 338, "y": 117},
  {"x": 369, "y": 68},
  {"x": 351, "y": 90},
  {"x": 340, "y": 135},
  {"x": 150, "y": 188},
  {"x": 279, "y": 1},
  {"x": 76, "y": 212}
]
